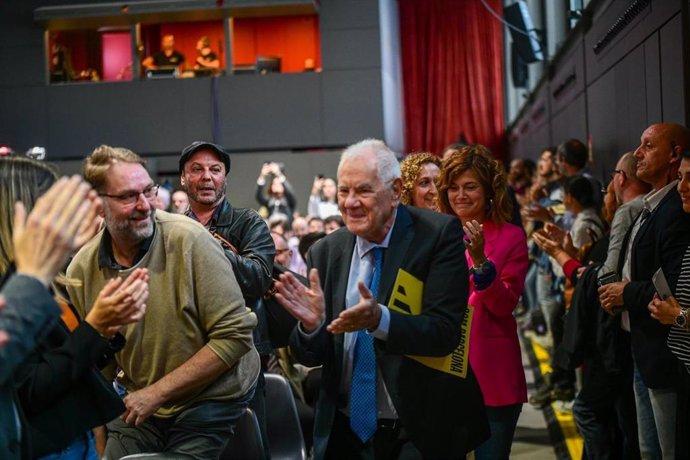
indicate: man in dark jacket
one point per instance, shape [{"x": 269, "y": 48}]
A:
[{"x": 243, "y": 234}]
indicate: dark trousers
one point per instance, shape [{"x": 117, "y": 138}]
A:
[
  {"x": 608, "y": 422},
  {"x": 200, "y": 432},
  {"x": 502, "y": 422},
  {"x": 389, "y": 442}
]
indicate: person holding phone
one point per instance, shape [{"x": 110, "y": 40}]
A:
[
  {"x": 674, "y": 311},
  {"x": 323, "y": 200},
  {"x": 657, "y": 239}
]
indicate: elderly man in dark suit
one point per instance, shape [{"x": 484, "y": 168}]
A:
[
  {"x": 657, "y": 239},
  {"x": 378, "y": 400}
]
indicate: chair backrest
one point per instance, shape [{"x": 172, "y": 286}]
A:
[
  {"x": 285, "y": 440},
  {"x": 246, "y": 442}
]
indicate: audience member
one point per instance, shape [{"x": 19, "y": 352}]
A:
[
  {"x": 168, "y": 56},
  {"x": 578, "y": 198},
  {"x": 547, "y": 175},
  {"x": 40, "y": 245},
  {"x": 452, "y": 148},
  {"x": 657, "y": 239},
  {"x": 180, "y": 202},
  {"x": 245, "y": 239},
  {"x": 162, "y": 201},
  {"x": 300, "y": 227},
  {"x": 323, "y": 200},
  {"x": 628, "y": 189},
  {"x": 419, "y": 173},
  {"x": 332, "y": 223},
  {"x": 308, "y": 241},
  {"x": 384, "y": 404},
  {"x": 472, "y": 187},
  {"x": 604, "y": 409},
  {"x": 316, "y": 225},
  {"x": 673, "y": 311},
  {"x": 192, "y": 363},
  {"x": 274, "y": 191},
  {"x": 520, "y": 178},
  {"x": 206, "y": 58},
  {"x": 283, "y": 252}
]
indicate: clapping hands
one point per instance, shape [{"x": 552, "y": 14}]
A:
[{"x": 120, "y": 302}]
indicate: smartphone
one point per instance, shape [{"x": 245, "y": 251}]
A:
[
  {"x": 320, "y": 176},
  {"x": 608, "y": 278},
  {"x": 661, "y": 285}
]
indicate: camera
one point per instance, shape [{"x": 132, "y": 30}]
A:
[{"x": 608, "y": 278}]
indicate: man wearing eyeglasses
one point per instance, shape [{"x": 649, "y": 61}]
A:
[
  {"x": 245, "y": 238},
  {"x": 191, "y": 361}
]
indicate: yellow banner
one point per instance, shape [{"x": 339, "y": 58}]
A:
[{"x": 407, "y": 299}]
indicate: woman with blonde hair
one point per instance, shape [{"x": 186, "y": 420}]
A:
[
  {"x": 419, "y": 173},
  {"x": 472, "y": 186}
]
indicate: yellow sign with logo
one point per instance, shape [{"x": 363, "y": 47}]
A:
[{"x": 407, "y": 299}]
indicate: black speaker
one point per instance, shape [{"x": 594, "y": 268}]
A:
[
  {"x": 518, "y": 68},
  {"x": 525, "y": 37}
]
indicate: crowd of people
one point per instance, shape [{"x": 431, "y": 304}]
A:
[{"x": 135, "y": 320}]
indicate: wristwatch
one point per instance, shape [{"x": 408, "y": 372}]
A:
[
  {"x": 481, "y": 268},
  {"x": 682, "y": 318}
]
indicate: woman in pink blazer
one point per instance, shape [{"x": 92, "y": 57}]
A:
[{"x": 472, "y": 186}]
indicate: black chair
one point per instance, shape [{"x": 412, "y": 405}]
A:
[
  {"x": 246, "y": 442},
  {"x": 285, "y": 439}
]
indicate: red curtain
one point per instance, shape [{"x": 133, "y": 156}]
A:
[{"x": 452, "y": 64}]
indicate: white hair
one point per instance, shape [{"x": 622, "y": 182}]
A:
[
  {"x": 164, "y": 197},
  {"x": 387, "y": 166}
]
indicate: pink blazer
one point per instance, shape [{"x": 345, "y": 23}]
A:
[{"x": 494, "y": 348}]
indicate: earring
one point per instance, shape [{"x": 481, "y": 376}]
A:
[{"x": 489, "y": 205}]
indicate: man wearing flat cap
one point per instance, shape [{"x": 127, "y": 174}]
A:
[{"x": 243, "y": 234}]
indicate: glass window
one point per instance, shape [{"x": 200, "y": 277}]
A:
[
  {"x": 183, "y": 49},
  {"x": 276, "y": 44},
  {"x": 85, "y": 55}
]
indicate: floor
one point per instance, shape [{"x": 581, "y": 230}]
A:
[{"x": 548, "y": 434}]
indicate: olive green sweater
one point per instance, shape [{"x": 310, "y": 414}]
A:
[{"x": 194, "y": 301}]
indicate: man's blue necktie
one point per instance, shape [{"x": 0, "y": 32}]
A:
[{"x": 363, "y": 408}]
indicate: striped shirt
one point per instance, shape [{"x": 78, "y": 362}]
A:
[{"x": 679, "y": 338}]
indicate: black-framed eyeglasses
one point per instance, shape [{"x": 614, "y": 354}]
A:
[
  {"x": 617, "y": 171},
  {"x": 130, "y": 198}
]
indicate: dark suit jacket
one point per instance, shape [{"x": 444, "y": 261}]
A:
[
  {"x": 443, "y": 414},
  {"x": 661, "y": 242}
]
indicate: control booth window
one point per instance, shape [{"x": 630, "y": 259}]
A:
[
  {"x": 182, "y": 49},
  {"x": 276, "y": 44},
  {"x": 87, "y": 55},
  {"x": 99, "y": 42}
]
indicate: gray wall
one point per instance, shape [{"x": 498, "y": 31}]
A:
[
  {"x": 332, "y": 108},
  {"x": 637, "y": 80}
]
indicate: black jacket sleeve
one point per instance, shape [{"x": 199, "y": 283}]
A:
[
  {"x": 62, "y": 360},
  {"x": 254, "y": 262}
]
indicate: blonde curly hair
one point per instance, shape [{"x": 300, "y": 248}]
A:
[{"x": 410, "y": 168}]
